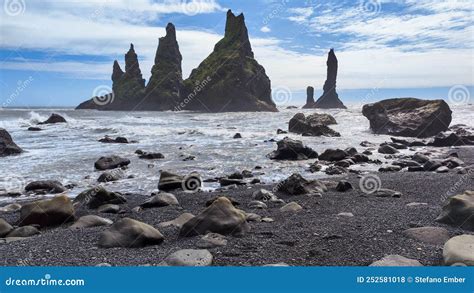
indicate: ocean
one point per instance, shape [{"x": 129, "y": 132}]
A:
[{"x": 67, "y": 152}]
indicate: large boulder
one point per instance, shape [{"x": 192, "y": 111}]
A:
[
  {"x": 48, "y": 212},
  {"x": 430, "y": 235},
  {"x": 408, "y": 117},
  {"x": 5, "y": 228},
  {"x": 220, "y": 217},
  {"x": 98, "y": 196},
  {"x": 53, "y": 119},
  {"x": 332, "y": 155},
  {"x": 129, "y": 233},
  {"x": 170, "y": 181},
  {"x": 290, "y": 149},
  {"x": 45, "y": 186},
  {"x": 160, "y": 200},
  {"x": 314, "y": 124},
  {"x": 459, "y": 250},
  {"x": 296, "y": 185},
  {"x": 458, "y": 211},
  {"x": 111, "y": 162},
  {"x": 229, "y": 79},
  {"x": 7, "y": 146}
]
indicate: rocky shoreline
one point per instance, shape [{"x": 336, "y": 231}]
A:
[{"x": 350, "y": 228}]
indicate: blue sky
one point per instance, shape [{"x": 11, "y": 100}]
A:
[{"x": 59, "y": 53}]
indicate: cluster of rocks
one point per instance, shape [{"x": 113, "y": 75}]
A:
[
  {"x": 312, "y": 125},
  {"x": 229, "y": 79}
]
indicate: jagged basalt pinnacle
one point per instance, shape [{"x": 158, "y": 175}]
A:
[
  {"x": 164, "y": 90},
  {"x": 309, "y": 97},
  {"x": 233, "y": 80}
]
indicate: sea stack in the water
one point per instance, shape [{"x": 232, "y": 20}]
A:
[
  {"x": 128, "y": 87},
  {"x": 408, "y": 117},
  {"x": 330, "y": 98},
  {"x": 230, "y": 79},
  {"x": 309, "y": 97},
  {"x": 163, "y": 91}
]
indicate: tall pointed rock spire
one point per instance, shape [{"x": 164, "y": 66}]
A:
[{"x": 330, "y": 98}]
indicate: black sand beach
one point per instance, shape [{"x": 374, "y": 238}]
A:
[{"x": 314, "y": 236}]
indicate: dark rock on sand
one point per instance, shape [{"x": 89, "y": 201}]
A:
[
  {"x": 53, "y": 119},
  {"x": 390, "y": 168},
  {"x": 387, "y": 149},
  {"x": 309, "y": 97},
  {"x": 229, "y": 181},
  {"x": 170, "y": 181},
  {"x": 289, "y": 149},
  {"x": 111, "y": 162},
  {"x": 296, "y": 185},
  {"x": 408, "y": 117},
  {"x": 450, "y": 139},
  {"x": 220, "y": 217},
  {"x": 45, "y": 186},
  {"x": 25, "y": 231},
  {"x": 335, "y": 170},
  {"x": 5, "y": 228},
  {"x": 312, "y": 125},
  {"x": 48, "y": 212},
  {"x": 129, "y": 233},
  {"x": 160, "y": 200},
  {"x": 230, "y": 79},
  {"x": 332, "y": 155},
  {"x": 406, "y": 163},
  {"x": 458, "y": 211},
  {"x": 330, "y": 98},
  {"x": 98, "y": 196},
  {"x": 420, "y": 158},
  {"x": 432, "y": 165},
  {"x": 90, "y": 221},
  {"x": 7, "y": 146},
  {"x": 343, "y": 186}
]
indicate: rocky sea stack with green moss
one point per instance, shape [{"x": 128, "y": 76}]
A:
[{"x": 230, "y": 79}]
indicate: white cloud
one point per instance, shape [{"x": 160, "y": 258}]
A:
[
  {"x": 265, "y": 29},
  {"x": 300, "y": 15}
]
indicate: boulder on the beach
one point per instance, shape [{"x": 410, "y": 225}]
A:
[
  {"x": 5, "y": 228},
  {"x": 408, "y": 117},
  {"x": 430, "y": 235},
  {"x": 220, "y": 217},
  {"x": 343, "y": 186},
  {"x": 178, "y": 222},
  {"x": 170, "y": 181},
  {"x": 291, "y": 207},
  {"x": 395, "y": 260},
  {"x": 112, "y": 175},
  {"x": 296, "y": 185},
  {"x": 111, "y": 162},
  {"x": 45, "y": 186},
  {"x": 109, "y": 208},
  {"x": 458, "y": 211},
  {"x": 211, "y": 240},
  {"x": 390, "y": 168},
  {"x": 10, "y": 208},
  {"x": 290, "y": 149},
  {"x": 432, "y": 165},
  {"x": 335, "y": 170},
  {"x": 160, "y": 200},
  {"x": 387, "y": 149},
  {"x": 53, "y": 119},
  {"x": 7, "y": 146},
  {"x": 98, "y": 196},
  {"x": 264, "y": 195},
  {"x": 47, "y": 212},
  {"x": 188, "y": 258},
  {"x": 90, "y": 221},
  {"x": 233, "y": 201},
  {"x": 24, "y": 231},
  {"x": 332, "y": 155},
  {"x": 459, "y": 250},
  {"x": 312, "y": 125},
  {"x": 130, "y": 233}
]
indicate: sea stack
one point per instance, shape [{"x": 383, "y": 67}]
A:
[
  {"x": 163, "y": 91},
  {"x": 330, "y": 98},
  {"x": 128, "y": 87},
  {"x": 229, "y": 79},
  {"x": 309, "y": 97}
]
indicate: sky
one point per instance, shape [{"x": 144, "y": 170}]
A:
[{"x": 60, "y": 52}]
